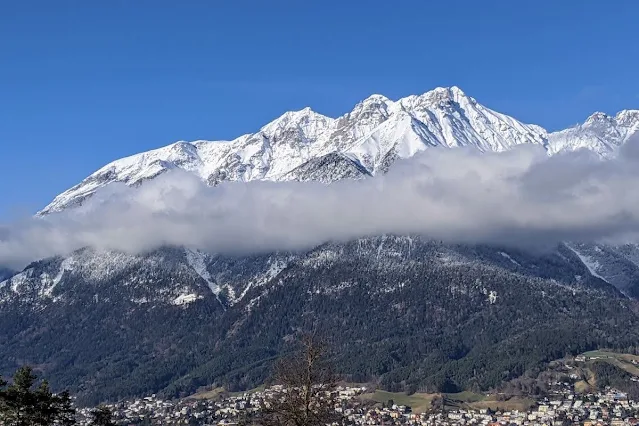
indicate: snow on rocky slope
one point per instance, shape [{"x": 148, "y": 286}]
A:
[
  {"x": 600, "y": 133},
  {"x": 363, "y": 142},
  {"x": 307, "y": 146},
  {"x": 166, "y": 275}
]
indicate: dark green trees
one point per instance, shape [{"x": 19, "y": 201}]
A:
[
  {"x": 102, "y": 416},
  {"x": 23, "y": 404}
]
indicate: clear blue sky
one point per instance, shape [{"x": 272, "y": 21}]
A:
[{"x": 85, "y": 82}]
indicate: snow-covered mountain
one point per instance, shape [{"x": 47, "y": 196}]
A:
[
  {"x": 175, "y": 319},
  {"x": 600, "y": 133},
  {"x": 305, "y": 145},
  {"x": 110, "y": 325},
  {"x": 363, "y": 142},
  {"x": 175, "y": 276},
  {"x": 308, "y": 146}
]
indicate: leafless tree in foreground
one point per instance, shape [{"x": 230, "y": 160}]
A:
[{"x": 304, "y": 389}]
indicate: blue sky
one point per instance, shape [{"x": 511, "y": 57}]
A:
[{"x": 84, "y": 82}]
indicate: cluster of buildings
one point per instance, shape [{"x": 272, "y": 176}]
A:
[
  {"x": 607, "y": 408},
  {"x": 222, "y": 410},
  {"x": 562, "y": 408}
]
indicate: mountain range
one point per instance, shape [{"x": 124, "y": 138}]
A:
[
  {"x": 401, "y": 310},
  {"x": 305, "y": 145}
]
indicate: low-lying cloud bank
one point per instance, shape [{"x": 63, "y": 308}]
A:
[{"x": 518, "y": 197}]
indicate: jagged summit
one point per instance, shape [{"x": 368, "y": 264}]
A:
[
  {"x": 363, "y": 142},
  {"x": 309, "y": 122},
  {"x": 600, "y": 133},
  {"x": 453, "y": 93},
  {"x": 596, "y": 117},
  {"x": 376, "y": 98},
  {"x": 628, "y": 117}
]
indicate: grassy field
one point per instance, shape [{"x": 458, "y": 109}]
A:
[
  {"x": 514, "y": 403},
  {"x": 419, "y": 402},
  {"x": 211, "y": 394},
  {"x": 614, "y": 355},
  {"x": 465, "y": 397},
  {"x": 623, "y": 361},
  {"x": 215, "y": 393},
  {"x": 600, "y": 354},
  {"x": 477, "y": 401}
]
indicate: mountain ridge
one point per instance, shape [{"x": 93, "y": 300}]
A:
[
  {"x": 404, "y": 311},
  {"x": 371, "y": 136}
]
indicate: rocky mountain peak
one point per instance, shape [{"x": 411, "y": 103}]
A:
[
  {"x": 375, "y": 133},
  {"x": 628, "y": 117}
]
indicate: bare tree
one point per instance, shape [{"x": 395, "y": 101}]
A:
[{"x": 304, "y": 389}]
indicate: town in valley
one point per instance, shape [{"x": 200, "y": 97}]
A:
[{"x": 565, "y": 407}]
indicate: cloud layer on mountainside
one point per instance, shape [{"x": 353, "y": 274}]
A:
[{"x": 518, "y": 197}]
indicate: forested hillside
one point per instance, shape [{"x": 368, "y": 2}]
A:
[{"x": 408, "y": 313}]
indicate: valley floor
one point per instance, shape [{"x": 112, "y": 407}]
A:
[
  {"x": 562, "y": 406},
  {"x": 567, "y": 399}
]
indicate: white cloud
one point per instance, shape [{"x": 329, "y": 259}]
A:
[{"x": 517, "y": 197}]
